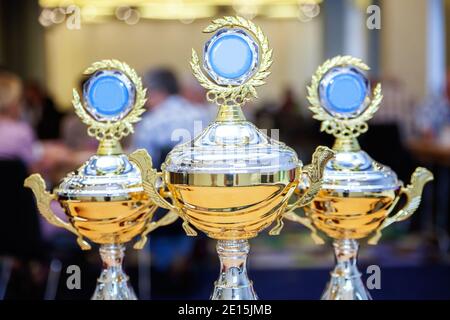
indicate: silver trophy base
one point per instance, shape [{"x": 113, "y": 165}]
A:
[
  {"x": 346, "y": 282},
  {"x": 233, "y": 282},
  {"x": 113, "y": 283}
]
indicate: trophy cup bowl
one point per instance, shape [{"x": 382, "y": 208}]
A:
[
  {"x": 234, "y": 211},
  {"x": 104, "y": 200},
  {"x": 231, "y": 181},
  {"x": 358, "y": 194},
  {"x": 115, "y": 218},
  {"x": 355, "y": 216},
  {"x": 344, "y": 208}
]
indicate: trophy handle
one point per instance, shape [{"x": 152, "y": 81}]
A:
[
  {"x": 149, "y": 177},
  {"x": 168, "y": 218},
  {"x": 413, "y": 193},
  {"x": 306, "y": 221},
  {"x": 314, "y": 172},
  {"x": 43, "y": 201}
]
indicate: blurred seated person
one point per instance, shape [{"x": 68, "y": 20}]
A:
[
  {"x": 193, "y": 92},
  {"x": 41, "y": 112},
  {"x": 17, "y": 138},
  {"x": 74, "y": 131},
  {"x": 170, "y": 120}
]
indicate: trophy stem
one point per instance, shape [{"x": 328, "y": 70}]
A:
[
  {"x": 113, "y": 282},
  {"x": 346, "y": 282},
  {"x": 233, "y": 282}
]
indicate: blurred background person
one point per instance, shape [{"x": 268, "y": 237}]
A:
[
  {"x": 73, "y": 131},
  {"x": 192, "y": 91},
  {"x": 41, "y": 112},
  {"x": 171, "y": 119},
  {"x": 16, "y": 137}
]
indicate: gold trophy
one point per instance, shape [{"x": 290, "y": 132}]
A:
[
  {"x": 231, "y": 181},
  {"x": 104, "y": 199},
  {"x": 358, "y": 195}
]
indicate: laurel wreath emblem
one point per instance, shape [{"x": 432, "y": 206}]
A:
[
  {"x": 339, "y": 127},
  {"x": 112, "y": 130},
  {"x": 235, "y": 95}
]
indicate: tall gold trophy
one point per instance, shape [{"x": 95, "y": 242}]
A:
[
  {"x": 231, "y": 181},
  {"x": 358, "y": 195},
  {"x": 104, "y": 199}
]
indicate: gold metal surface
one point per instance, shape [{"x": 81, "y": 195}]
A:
[
  {"x": 346, "y": 144},
  {"x": 230, "y": 180},
  {"x": 212, "y": 204},
  {"x": 150, "y": 178},
  {"x": 351, "y": 215},
  {"x": 230, "y": 114},
  {"x": 413, "y": 193},
  {"x": 235, "y": 95},
  {"x": 110, "y": 132},
  {"x": 43, "y": 202},
  {"x": 314, "y": 173},
  {"x": 106, "y": 222},
  {"x": 231, "y": 212},
  {"x": 341, "y": 127}
]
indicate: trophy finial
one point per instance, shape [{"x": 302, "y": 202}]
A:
[
  {"x": 340, "y": 97},
  {"x": 113, "y": 100},
  {"x": 236, "y": 59}
]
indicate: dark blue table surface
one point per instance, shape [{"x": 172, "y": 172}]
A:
[{"x": 397, "y": 283}]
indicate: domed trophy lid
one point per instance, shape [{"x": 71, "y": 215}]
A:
[
  {"x": 113, "y": 99},
  {"x": 236, "y": 59},
  {"x": 341, "y": 98}
]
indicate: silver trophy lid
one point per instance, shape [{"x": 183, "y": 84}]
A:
[
  {"x": 358, "y": 172},
  {"x": 341, "y": 98},
  {"x": 230, "y": 148},
  {"x": 111, "y": 176}
]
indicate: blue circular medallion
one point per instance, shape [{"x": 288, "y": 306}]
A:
[
  {"x": 343, "y": 91},
  {"x": 109, "y": 94},
  {"x": 231, "y": 56}
]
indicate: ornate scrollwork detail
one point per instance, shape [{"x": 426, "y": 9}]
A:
[
  {"x": 235, "y": 95},
  {"x": 340, "y": 127}
]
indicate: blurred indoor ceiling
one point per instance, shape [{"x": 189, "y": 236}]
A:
[{"x": 186, "y": 11}]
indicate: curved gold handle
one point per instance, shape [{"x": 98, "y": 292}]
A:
[
  {"x": 43, "y": 201},
  {"x": 149, "y": 177},
  {"x": 413, "y": 193},
  {"x": 314, "y": 172}
]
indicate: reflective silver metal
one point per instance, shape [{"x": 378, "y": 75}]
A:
[
  {"x": 233, "y": 282},
  {"x": 113, "y": 282},
  {"x": 345, "y": 282}
]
